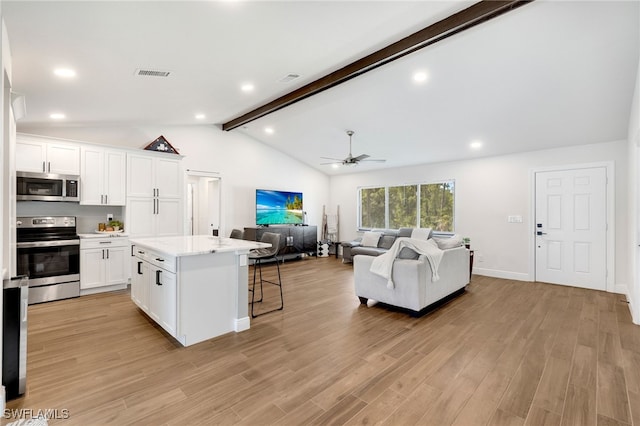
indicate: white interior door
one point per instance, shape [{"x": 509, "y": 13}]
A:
[
  {"x": 571, "y": 227},
  {"x": 203, "y": 203}
]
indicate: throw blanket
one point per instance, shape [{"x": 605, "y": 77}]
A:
[{"x": 383, "y": 264}]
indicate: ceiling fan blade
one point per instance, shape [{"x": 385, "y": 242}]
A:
[
  {"x": 334, "y": 162},
  {"x": 375, "y": 160},
  {"x": 360, "y": 157},
  {"x": 330, "y": 158}
]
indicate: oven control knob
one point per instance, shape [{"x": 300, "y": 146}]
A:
[{"x": 19, "y": 222}]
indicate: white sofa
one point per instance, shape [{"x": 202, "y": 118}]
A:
[{"x": 414, "y": 289}]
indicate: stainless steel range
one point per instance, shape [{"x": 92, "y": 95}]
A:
[{"x": 48, "y": 252}]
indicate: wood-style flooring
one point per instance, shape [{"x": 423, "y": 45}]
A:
[{"x": 503, "y": 353}]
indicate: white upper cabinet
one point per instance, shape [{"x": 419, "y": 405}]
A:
[
  {"x": 150, "y": 176},
  {"x": 40, "y": 156},
  {"x": 102, "y": 177}
]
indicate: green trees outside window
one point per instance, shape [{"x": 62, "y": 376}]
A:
[{"x": 429, "y": 205}]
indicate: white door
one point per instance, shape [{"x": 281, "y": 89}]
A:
[{"x": 571, "y": 227}]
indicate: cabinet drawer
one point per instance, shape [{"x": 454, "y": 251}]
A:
[
  {"x": 92, "y": 243},
  {"x": 164, "y": 261}
]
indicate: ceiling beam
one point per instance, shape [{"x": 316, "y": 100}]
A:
[{"x": 454, "y": 24}]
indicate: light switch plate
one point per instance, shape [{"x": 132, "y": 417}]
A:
[{"x": 514, "y": 219}]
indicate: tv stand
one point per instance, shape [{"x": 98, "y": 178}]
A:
[{"x": 294, "y": 240}]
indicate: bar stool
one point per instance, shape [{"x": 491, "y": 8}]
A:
[
  {"x": 259, "y": 256},
  {"x": 238, "y": 234}
]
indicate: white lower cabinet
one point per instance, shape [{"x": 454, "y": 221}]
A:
[
  {"x": 154, "y": 288},
  {"x": 104, "y": 262}
]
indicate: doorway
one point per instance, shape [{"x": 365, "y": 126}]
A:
[
  {"x": 202, "y": 203},
  {"x": 572, "y": 240}
]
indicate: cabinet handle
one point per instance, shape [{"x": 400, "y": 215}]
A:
[
  {"x": 103, "y": 253},
  {"x": 157, "y": 192},
  {"x": 107, "y": 253},
  {"x": 140, "y": 252},
  {"x": 105, "y": 242},
  {"x": 101, "y": 199},
  {"x": 106, "y": 199},
  {"x": 49, "y": 167},
  {"x": 44, "y": 169},
  {"x": 159, "y": 260},
  {"x": 139, "y": 265},
  {"x": 158, "y": 208},
  {"x": 158, "y": 272}
]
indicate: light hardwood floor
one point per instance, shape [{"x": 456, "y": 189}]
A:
[{"x": 504, "y": 352}]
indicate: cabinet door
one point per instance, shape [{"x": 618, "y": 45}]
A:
[
  {"x": 91, "y": 176},
  {"x": 116, "y": 271},
  {"x": 141, "y": 217},
  {"x": 31, "y": 156},
  {"x": 140, "y": 283},
  {"x": 140, "y": 176},
  {"x": 163, "y": 299},
  {"x": 168, "y": 217},
  {"x": 92, "y": 268},
  {"x": 115, "y": 178},
  {"x": 63, "y": 159},
  {"x": 310, "y": 239},
  {"x": 168, "y": 178}
]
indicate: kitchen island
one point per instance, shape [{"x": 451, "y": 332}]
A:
[{"x": 194, "y": 287}]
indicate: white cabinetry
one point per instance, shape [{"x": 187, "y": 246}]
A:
[
  {"x": 154, "y": 195},
  {"x": 154, "y": 288},
  {"x": 104, "y": 262},
  {"x": 43, "y": 156},
  {"x": 102, "y": 176}
]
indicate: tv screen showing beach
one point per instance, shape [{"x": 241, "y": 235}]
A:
[{"x": 278, "y": 207}]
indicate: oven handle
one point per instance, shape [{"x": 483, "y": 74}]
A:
[{"x": 48, "y": 243}]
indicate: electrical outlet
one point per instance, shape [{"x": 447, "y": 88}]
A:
[{"x": 109, "y": 217}]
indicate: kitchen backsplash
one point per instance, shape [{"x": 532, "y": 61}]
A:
[{"x": 87, "y": 217}]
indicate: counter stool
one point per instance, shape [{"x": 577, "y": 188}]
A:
[
  {"x": 238, "y": 234},
  {"x": 258, "y": 256}
]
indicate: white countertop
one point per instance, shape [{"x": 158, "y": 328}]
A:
[
  {"x": 196, "y": 244},
  {"x": 104, "y": 235}
]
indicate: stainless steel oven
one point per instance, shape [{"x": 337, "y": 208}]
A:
[
  {"x": 48, "y": 252},
  {"x": 47, "y": 187}
]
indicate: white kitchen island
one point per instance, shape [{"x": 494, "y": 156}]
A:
[{"x": 195, "y": 287}]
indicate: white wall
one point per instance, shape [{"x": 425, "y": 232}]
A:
[
  {"x": 243, "y": 163},
  {"x": 487, "y": 191},
  {"x": 634, "y": 204}
]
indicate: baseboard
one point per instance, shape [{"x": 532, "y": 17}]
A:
[
  {"x": 621, "y": 289},
  {"x": 241, "y": 324},
  {"x": 496, "y": 273},
  {"x": 632, "y": 307}
]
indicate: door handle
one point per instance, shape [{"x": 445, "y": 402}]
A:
[
  {"x": 158, "y": 272},
  {"x": 139, "y": 265},
  {"x": 541, "y": 233}
]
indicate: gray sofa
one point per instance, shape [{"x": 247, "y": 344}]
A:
[
  {"x": 414, "y": 289},
  {"x": 352, "y": 248}
]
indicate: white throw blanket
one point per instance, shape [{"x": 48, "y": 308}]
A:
[{"x": 383, "y": 264}]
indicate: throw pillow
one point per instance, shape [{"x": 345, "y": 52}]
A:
[
  {"x": 447, "y": 243},
  {"x": 370, "y": 239},
  {"x": 421, "y": 233},
  {"x": 408, "y": 253}
]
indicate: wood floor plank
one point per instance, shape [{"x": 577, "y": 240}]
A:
[
  {"x": 499, "y": 354},
  {"x": 612, "y": 393}
]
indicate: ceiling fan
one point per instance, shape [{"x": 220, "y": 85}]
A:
[{"x": 350, "y": 158}]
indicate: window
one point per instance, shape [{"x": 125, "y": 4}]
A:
[{"x": 427, "y": 205}]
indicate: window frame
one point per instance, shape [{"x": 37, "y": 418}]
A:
[{"x": 418, "y": 201}]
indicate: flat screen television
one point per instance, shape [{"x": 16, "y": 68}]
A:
[{"x": 278, "y": 207}]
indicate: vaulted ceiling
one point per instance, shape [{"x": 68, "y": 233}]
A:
[{"x": 548, "y": 74}]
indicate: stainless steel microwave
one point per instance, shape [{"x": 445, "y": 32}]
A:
[{"x": 47, "y": 187}]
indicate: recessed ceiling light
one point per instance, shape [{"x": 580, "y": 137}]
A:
[
  {"x": 247, "y": 87},
  {"x": 420, "y": 77},
  {"x": 476, "y": 144},
  {"x": 269, "y": 130},
  {"x": 57, "y": 116},
  {"x": 200, "y": 116},
  {"x": 64, "y": 72}
]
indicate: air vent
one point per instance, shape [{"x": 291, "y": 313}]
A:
[
  {"x": 287, "y": 78},
  {"x": 152, "y": 73}
]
